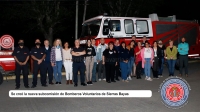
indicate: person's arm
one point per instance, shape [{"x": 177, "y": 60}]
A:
[
  {"x": 93, "y": 52},
  {"x": 179, "y": 48},
  {"x": 187, "y": 47},
  {"x": 32, "y": 56},
  {"x": 175, "y": 52}
]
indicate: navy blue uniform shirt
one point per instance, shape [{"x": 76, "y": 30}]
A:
[
  {"x": 21, "y": 53},
  {"x": 38, "y": 52},
  {"x": 123, "y": 54}
]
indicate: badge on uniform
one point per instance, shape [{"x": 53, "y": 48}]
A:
[
  {"x": 41, "y": 53},
  {"x": 110, "y": 52},
  {"x": 18, "y": 51},
  {"x": 114, "y": 52}
]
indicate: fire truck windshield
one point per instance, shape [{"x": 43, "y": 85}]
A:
[{"x": 91, "y": 28}]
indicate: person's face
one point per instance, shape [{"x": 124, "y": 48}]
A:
[
  {"x": 160, "y": 43},
  {"x": 183, "y": 39},
  {"x": 66, "y": 45},
  {"x": 93, "y": 42},
  {"x": 58, "y": 42},
  {"x": 147, "y": 45},
  {"x": 89, "y": 42},
  {"x": 111, "y": 46},
  {"x": 46, "y": 43},
  {"x": 171, "y": 43},
  {"x": 133, "y": 37},
  {"x": 102, "y": 41},
  {"x": 139, "y": 44},
  {"x": 37, "y": 42},
  {"x": 123, "y": 44},
  {"x": 77, "y": 43},
  {"x": 132, "y": 43},
  {"x": 116, "y": 41},
  {"x": 155, "y": 44},
  {"x": 20, "y": 41},
  {"x": 144, "y": 38}
]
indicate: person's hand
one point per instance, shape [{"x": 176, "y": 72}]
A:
[
  {"x": 103, "y": 62},
  {"x": 52, "y": 65},
  {"x": 39, "y": 62},
  {"x": 20, "y": 63},
  {"x": 24, "y": 63}
]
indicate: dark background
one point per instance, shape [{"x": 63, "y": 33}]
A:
[{"x": 20, "y": 28}]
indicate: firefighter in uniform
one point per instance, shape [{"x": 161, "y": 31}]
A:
[
  {"x": 21, "y": 56},
  {"x": 38, "y": 55}
]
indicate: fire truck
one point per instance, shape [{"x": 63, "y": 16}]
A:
[
  {"x": 154, "y": 28},
  {"x": 7, "y": 62}
]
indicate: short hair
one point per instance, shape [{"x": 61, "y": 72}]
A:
[
  {"x": 111, "y": 42},
  {"x": 116, "y": 39},
  {"x": 133, "y": 36},
  {"x": 67, "y": 43},
  {"x": 170, "y": 40},
  {"x": 131, "y": 41}
]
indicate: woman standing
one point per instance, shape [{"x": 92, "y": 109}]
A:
[
  {"x": 147, "y": 55},
  {"x": 110, "y": 61},
  {"x": 124, "y": 57},
  {"x": 131, "y": 59},
  {"x": 67, "y": 61},
  {"x": 171, "y": 52},
  {"x": 138, "y": 59},
  {"x": 57, "y": 60},
  {"x": 89, "y": 61},
  {"x": 157, "y": 54}
]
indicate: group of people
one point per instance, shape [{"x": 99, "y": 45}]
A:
[{"x": 109, "y": 61}]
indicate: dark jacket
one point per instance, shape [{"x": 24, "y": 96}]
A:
[
  {"x": 90, "y": 51},
  {"x": 124, "y": 54}
]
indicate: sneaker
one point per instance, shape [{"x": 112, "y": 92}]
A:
[
  {"x": 160, "y": 76},
  {"x": 149, "y": 79},
  {"x": 99, "y": 79},
  {"x": 146, "y": 78},
  {"x": 60, "y": 83},
  {"x": 130, "y": 78},
  {"x": 56, "y": 82},
  {"x": 88, "y": 83},
  {"x": 91, "y": 83},
  {"x": 104, "y": 79},
  {"x": 126, "y": 81}
]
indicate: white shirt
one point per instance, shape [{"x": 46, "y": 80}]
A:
[
  {"x": 155, "y": 52},
  {"x": 58, "y": 54},
  {"x": 67, "y": 54},
  {"x": 147, "y": 52}
]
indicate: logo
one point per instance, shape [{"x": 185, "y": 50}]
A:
[
  {"x": 6, "y": 41},
  {"x": 174, "y": 92}
]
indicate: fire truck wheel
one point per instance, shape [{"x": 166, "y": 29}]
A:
[{"x": 1, "y": 78}]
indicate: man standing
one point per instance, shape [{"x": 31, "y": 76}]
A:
[
  {"x": 117, "y": 67},
  {"x": 78, "y": 63},
  {"x": 134, "y": 39},
  {"x": 47, "y": 64},
  {"x": 161, "y": 58},
  {"x": 21, "y": 56},
  {"x": 38, "y": 55},
  {"x": 183, "y": 49},
  {"x": 101, "y": 47},
  {"x": 95, "y": 62},
  {"x": 144, "y": 39}
]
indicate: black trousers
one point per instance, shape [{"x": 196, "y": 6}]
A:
[
  {"x": 79, "y": 67},
  {"x": 49, "y": 69},
  {"x": 36, "y": 68},
  {"x": 110, "y": 70},
  {"x": 183, "y": 61},
  {"x": 117, "y": 71},
  {"x": 155, "y": 67},
  {"x": 139, "y": 69},
  {"x": 24, "y": 69}
]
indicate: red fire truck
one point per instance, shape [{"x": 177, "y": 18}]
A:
[
  {"x": 154, "y": 28},
  {"x": 7, "y": 62}
]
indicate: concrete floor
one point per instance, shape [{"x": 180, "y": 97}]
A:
[{"x": 152, "y": 104}]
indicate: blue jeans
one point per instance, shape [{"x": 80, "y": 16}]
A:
[
  {"x": 147, "y": 67},
  {"x": 130, "y": 65},
  {"x": 57, "y": 71},
  {"x": 124, "y": 70},
  {"x": 160, "y": 70},
  {"x": 94, "y": 71},
  {"x": 171, "y": 66}
]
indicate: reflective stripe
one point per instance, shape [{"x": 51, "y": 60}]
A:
[
  {"x": 193, "y": 55},
  {"x": 6, "y": 59}
]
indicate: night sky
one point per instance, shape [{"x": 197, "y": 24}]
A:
[{"x": 185, "y": 10}]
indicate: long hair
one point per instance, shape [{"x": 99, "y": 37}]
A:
[
  {"x": 123, "y": 43},
  {"x": 67, "y": 43},
  {"x": 54, "y": 43}
]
